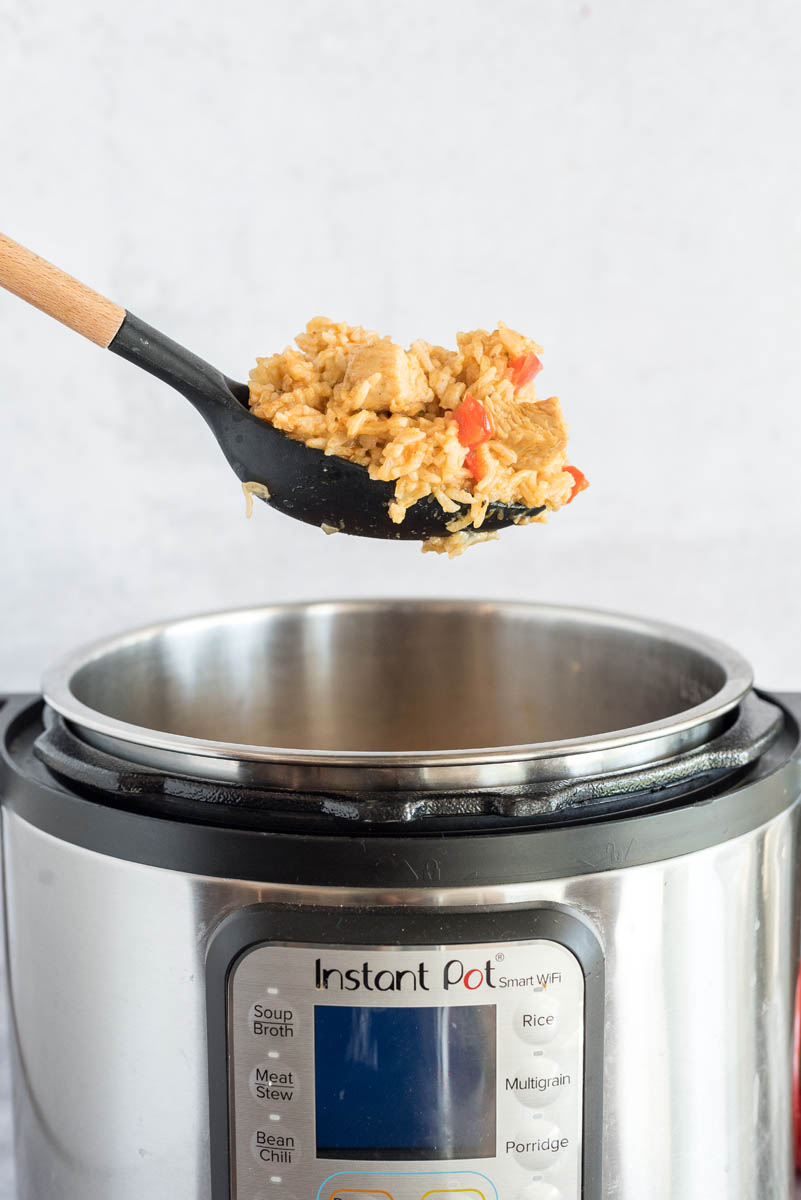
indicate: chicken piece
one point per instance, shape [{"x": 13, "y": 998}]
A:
[
  {"x": 514, "y": 343},
  {"x": 396, "y": 384},
  {"x": 536, "y": 432}
]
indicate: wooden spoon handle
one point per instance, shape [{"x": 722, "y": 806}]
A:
[{"x": 73, "y": 303}]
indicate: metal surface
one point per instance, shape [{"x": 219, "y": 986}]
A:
[
  {"x": 759, "y": 723},
  {"x": 166, "y": 829},
  {"x": 109, "y": 1015},
  {"x": 390, "y": 695}
]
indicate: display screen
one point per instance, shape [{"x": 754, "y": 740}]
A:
[{"x": 405, "y": 1083}]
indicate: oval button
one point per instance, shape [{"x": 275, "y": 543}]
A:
[
  {"x": 542, "y": 1084},
  {"x": 275, "y": 1147},
  {"x": 273, "y": 1022},
  {"x": 537, "y": 1019},
  {"x": 273, "y": 1084},
  {"x": 539, "y": 1145},
  {"x": 540, "y": 1190}
]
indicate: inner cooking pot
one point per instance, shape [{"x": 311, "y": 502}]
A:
[{"x": 408, "y": 689}]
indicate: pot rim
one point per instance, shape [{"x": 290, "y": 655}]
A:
[{"x": 473, "y": 767}]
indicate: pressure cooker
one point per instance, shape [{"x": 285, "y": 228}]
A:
[{"x": 402, "y": 900}]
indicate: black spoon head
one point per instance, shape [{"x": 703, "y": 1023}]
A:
[
  {"x": 303, "y": 483},
  {"x": 323, "y": 489}
]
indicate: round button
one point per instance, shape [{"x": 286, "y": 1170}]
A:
[
  {"x": 274, "y": 1083},
  {"x": 539, "y": 1190},
  {"x": 274, "y": 1147},
  {"x": 539, "y": 1145},
  {"x": 541, "y": 1087},
  {"x": 273, "y": 1022},
  {"x": 537, "y": 1019}
]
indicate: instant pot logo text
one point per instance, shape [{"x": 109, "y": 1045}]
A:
[{"x": 365, "y": 977}]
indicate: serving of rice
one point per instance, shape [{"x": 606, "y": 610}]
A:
[{"x": 402, "y": 414}]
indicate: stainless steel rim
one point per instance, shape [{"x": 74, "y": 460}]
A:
[{"x": 491, "y": 766}]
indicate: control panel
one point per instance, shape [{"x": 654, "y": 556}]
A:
[{"x": 413, "y": 1072}]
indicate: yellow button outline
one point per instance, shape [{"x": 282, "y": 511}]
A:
[{"x": 455, "y": 1192}]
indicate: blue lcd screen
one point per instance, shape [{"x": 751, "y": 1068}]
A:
[{"x": 405, "y": 1083}]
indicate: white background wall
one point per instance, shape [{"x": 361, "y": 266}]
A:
[{"x": 619, "y": 179}]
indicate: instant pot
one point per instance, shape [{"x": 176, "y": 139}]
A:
[{"x": 402, "y": 901}]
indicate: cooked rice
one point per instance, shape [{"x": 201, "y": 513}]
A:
[
  {"x": 349, "y": 392},
  {"x": 254, "y": 489},
  {"x": 456, "y": 543}
]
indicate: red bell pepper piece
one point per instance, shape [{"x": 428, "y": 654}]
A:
[
  {"x": 579, "y": 484},
  {"x": 474, "y": 422},
  {"x": 521, "y": 370},
  {"x": 474, "y": 466}
]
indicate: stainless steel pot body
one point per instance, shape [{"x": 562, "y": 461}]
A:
[
  {"x": 106, "y": 962},
  {"x": 694, "y": 904}
]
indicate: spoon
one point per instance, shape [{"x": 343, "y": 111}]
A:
[{"x": 303, "y": 483}]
